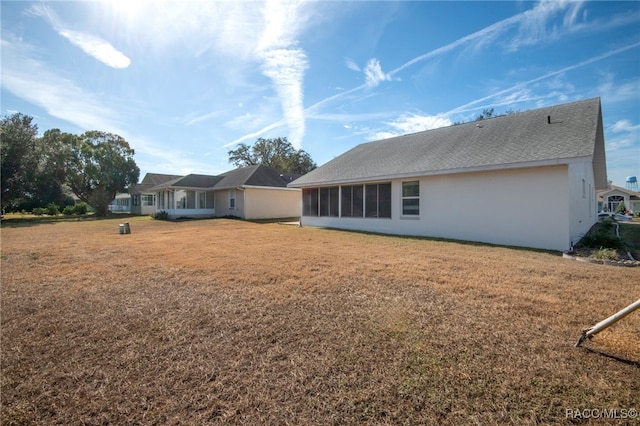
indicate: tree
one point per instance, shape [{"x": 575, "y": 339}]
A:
[
  {"x": 486, "y": 113},
  {"x": 277, "y": 153},
  {"x": 19, "y": 157},
  {"x": 47, "y": 180},
  {"x": 100, "y": 165}
]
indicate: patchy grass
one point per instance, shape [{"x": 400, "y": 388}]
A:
[{"x": 232, "y": 322}]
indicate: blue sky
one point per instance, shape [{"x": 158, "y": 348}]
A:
[{"x": 184, "y": 82}]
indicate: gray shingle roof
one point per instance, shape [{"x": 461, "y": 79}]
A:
[
  {"x": 514, "y": 140},
  {"x": 257, "y": 175}
]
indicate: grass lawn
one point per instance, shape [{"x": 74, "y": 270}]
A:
[{"x": 230, "y": 322}]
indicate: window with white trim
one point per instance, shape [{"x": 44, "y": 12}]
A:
[
  {"x": 411, "y": 198},
  {"x": 232, "y": 199}
]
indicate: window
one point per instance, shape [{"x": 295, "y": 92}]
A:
[
  {"x": 148, "y": 200},
  {"x": 352, "y": 201},
  {"x": 135, "y": 200},
  {"x": 584, "y": 189},
  {"x": 202, "y": 200},
  {"x": 232, "y": 199},
  {"x": 411, "y": 198},
  {"x": 378, "y": 200}
]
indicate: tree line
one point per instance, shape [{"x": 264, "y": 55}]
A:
[
  {"x": 43, "y": 170},
  {"x": 39, "y": 171}
]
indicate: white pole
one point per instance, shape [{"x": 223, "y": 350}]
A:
[{"x": 590, "y": 332}]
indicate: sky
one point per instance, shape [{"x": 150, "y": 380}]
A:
[{"x": 184, "y": 82}]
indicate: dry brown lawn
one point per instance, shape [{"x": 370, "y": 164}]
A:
[{"x": 230, "y": 322}]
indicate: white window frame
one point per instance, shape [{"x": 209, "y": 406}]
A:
[
  {"x": 410, "y": 197},
  {"x": 232, "y": 199}
]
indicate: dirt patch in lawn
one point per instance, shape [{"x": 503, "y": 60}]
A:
[{"x": 230, "y": 322}]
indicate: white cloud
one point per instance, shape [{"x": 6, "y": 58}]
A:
[
  {"x": 284, "y": 63},
  {"x": 33, "y": 81},
  {"x": 92, "y": 45},
  {"x": 373, "y": 73},
  {"x": 412, "y": 123},
  {"x": 624, "y": 126},
  {"x": 351, "y": 64},
  {"x": 97, "y": 47}
]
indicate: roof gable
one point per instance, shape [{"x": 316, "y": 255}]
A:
[
  {"x": 257, "y": 175},
  {"x": 551, "y": 134}
]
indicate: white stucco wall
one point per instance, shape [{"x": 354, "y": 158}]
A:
[
  {"x": 583, "y": 204},
  {"x": 222, "y": 204},
  {"x": 267, "y": 203},
  {"x": 526, "y": 207}
]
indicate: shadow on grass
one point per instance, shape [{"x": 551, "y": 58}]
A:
[
  {"x": 448, "y": 240},
  {"x": 18, "y": 221},
  {"x": 610, "y": 356}
]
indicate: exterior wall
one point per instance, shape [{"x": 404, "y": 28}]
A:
[
  {"x": 583, "y": 205},
  {"x": 266, "y": 203},
  {"x": 222, "y": 203},
  {"x": 525, "y": 207}
]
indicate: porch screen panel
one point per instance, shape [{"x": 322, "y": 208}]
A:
[
  {"x": 357, "y": 200},
  {"x": 211, "y": 200},
  {"x": 333, "y": 201},
  {"x": 346, "y": 201},
  {"x": 191, "y": 199},
  {"x": 384, "y": 200},
  {"x": 310, "y": 201},
  {"x": 352, "y": 201},
  {"x": 324, "y": 201},
  {"x": 371, "y": 200}
]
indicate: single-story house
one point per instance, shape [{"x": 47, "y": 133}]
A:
[
  {"x": 525, "y": 179},
  {"x": 143, "y": 200},
  {"x": 253, "y": 192},
  {"x": 611, "y": 197},
  {"x": 120, "y": 204}
]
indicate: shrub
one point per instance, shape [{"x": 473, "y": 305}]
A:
[
  {"x": 39, "y": 211},
  {"x": 606, "y": 254},
  {"x": 602, "y": 236},
  {"x": 621, "y": 209},
  {"x": 80, "y": 208},
  {"x": 68, "y": 210},
  {"x": 161, "y": 215},
  {"x": 52, "y": 209}
]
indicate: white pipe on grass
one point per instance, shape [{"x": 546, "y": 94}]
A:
[{"x": 590, "y": 332}]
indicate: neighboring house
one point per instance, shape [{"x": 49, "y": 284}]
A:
[
  {"x": 526, "y": 179},
  {"x": 143, "y": 201},
  {"x": 253, "y": 192},
  {"x": 121, "y": 204},
  {"x": 611, "y": 197}
]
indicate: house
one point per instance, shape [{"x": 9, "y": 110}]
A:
[
  {"x": 253, "y": 192},
  {"x": 143, "y": 201},
  {"x": 120, "y": 204},
  {"x": 525, "y": 179},
  {"x": 611, "y": 197}
]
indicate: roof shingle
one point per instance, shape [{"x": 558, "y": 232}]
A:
[{"x": 523, "y": 138}]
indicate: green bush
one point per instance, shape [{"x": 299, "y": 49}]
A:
[
  {"x": 80, "y": 208},
  {"x": 603, "y": 237},
  {"x": 52, "y": 209},
  {"x": 621, "y": 209},
  {"x": 68, "y": 210},
  {"x": 39, "y": 211},
  {"x": 161, "y": 215}
]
